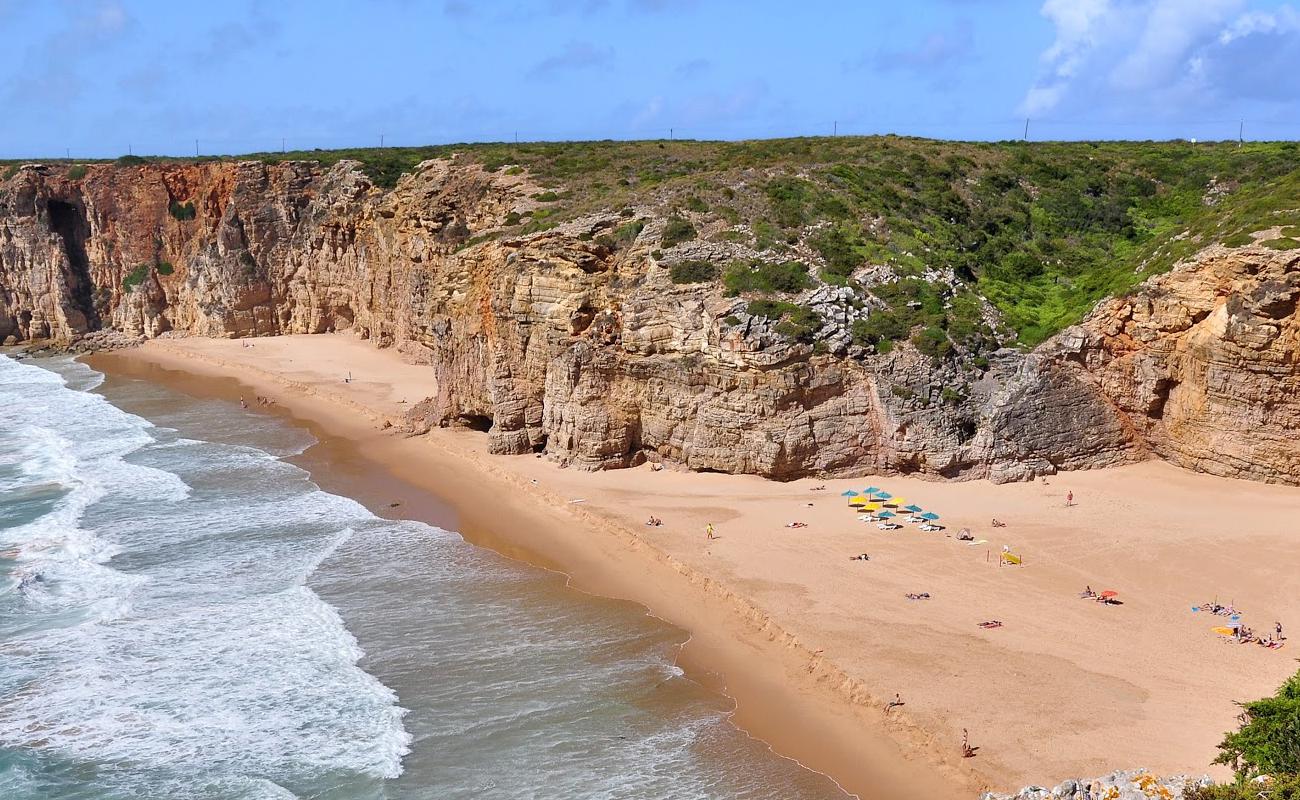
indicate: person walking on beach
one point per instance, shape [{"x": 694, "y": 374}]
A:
[
  {"x": 966, "y": 750},
  {"x": 1277, "y": 631},
  {"x": 708, "y": 531},
  {"x": 1069, "y": 498},
  {"x": 242, "y": 403}
]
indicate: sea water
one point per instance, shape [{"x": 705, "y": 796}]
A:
[{"x": 185, "y": 614}]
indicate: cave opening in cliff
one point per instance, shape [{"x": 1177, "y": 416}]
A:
[
  {"x": 476, "y": 422},
  {"x": 69, "y": 222}
]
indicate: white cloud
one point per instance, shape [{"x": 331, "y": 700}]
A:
[
  {"x": 1283, "y": 20},
  {"x": 1172, "y": 29},
  {"x": 1160, "y": 56}
]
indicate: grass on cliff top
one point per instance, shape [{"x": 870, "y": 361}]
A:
[{"x": 1042, "y": 230}]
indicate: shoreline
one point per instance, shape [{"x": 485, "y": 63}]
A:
[
  {"x": 732, "y": 647},
  {"x": 810, "y": 648}
]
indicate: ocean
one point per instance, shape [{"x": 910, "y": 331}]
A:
[{"x": 185, "y": 614}]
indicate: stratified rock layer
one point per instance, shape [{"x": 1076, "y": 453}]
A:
[{"x": 567, "y": 342}]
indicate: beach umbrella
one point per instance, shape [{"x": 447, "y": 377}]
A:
[
  {"x": 871, "y": 490},
  {"x": 1108, "y": 594},
  {"x": 915, "y": 509},
  {"x": 886, "y": 514},
  {"x": 879, "y": 495},
  {"x": 930, "y": 515},
  {"x": 849, "y": 493},
  {"x": 871, "y": 507},
  {"x": 857, "y": 501},
  {"x": 897, "y": 501}
]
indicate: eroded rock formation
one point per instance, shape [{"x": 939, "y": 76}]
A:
[{"x": 569, "y": 342}]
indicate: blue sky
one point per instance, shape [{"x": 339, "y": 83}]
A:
[{"x": 97, "y": 76}]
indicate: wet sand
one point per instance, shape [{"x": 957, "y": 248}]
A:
[{"x": 813, "y": 645}]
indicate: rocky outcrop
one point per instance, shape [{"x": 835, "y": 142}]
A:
[
  {"x": 1124, "y": 785},
  {"x": 1201, "y": 363},
  {"x": 575, "y": 342}
]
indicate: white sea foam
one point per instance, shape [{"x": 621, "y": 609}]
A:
[{"x": 157, "y": 618}]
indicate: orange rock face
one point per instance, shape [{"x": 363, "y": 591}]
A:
[{"x": 564, "y": 342}]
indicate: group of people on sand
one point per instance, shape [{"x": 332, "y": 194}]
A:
[
  {"x": 261, "y": 401},
  {"x": 654, "y": 522},
  {"x": 1273, "y": 641}
]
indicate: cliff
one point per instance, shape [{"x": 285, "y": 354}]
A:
[{"x": 582, "y": 340}]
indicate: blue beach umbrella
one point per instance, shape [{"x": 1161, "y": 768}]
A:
[
  {"x": 915, "y": 509},
  {"x": 930, "y": 515},
  {"x": 886, "y": 514},
  {"x": 871, "y": 490},
  {"x": 849, "y": 493},
  {"x": 881, "y": 495}
]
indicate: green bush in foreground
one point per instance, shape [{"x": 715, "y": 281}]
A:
[
  {"x": 1267, "y": 743},
  {"x": 76, "y": 172},
  {"x": 1285, "y": 788}
]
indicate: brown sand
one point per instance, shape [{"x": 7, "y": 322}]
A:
[{"x": 812, "y": 644}]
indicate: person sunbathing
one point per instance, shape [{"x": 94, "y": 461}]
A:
[
  {"x": 921, "y": 596},
  {"x": 998, "y": 524},
  {"x": 796, "y": 524},
  {"x": 860, "y": 557},
  {"x": 895, "y": 703},
  {"x": 1087, "y": 592},
  {"x": 992, "y": 623},
  {"x": 964, "y": 535}
]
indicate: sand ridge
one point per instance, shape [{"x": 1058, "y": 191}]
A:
[{"x": 1066, "y": 687}]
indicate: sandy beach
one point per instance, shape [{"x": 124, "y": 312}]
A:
[{"x": 813, "y": 645}]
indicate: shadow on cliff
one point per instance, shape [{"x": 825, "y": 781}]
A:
[{"x": 68, "y": 220}]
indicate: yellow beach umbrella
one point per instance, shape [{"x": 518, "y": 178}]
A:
[
  {"x": 858, "y": 501},
  {"x": 897, "y": 501},
  {"x": 872, "y": 507}
]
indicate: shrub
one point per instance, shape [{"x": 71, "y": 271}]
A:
[
  {"x": 695, "y": 204},
  {"x": 788, "y": 197},
  {"x": 135, "y": 277},
  {"x": 731, "y": 215},
  {"x": 546, "y": 197},
  {"x": 793, "y": 322},
  {"x": 76, "y": 172},
  {"x": 677, "y": 231},
  {"x": 731, "y": 319},
  {"x": 181, "y": 211},
  {"x": 164, "y": 268},
  {"x": 130, "y": 161},
  {"x": 760, "y": 276},
  {"x": 10, "y": 171},
  {"x": 513, "y": 218},
  {"x": 1268, "y": 743},
  {"x": 694, "y": 271},
  {"x": 1238, "y": 240},
  {"x": 838, "y": 247},
  {"x": 765, "y": 235},
  {"x": 626, "y": 233},
  {"x": 1282, "y": 787},
  {"x": 771, "y": 309},
  {"x": 1285, "y": 243}
]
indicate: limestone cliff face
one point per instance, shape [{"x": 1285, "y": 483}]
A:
[
  {"x": 570, "y": 342},
  {"x": 1202, "y": 363}
]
